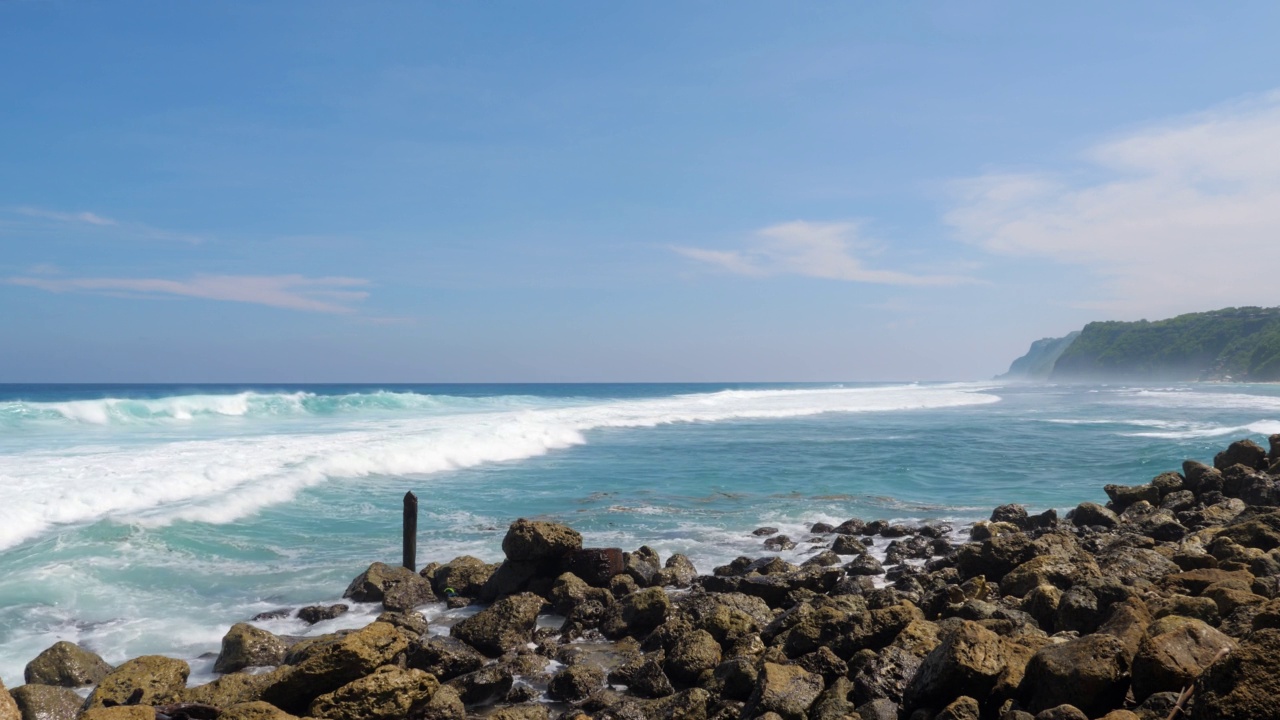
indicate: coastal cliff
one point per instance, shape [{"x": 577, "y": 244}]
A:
[{"x": 1241, "y": 344}]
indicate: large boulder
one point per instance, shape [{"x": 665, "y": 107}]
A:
[
  {"x": 325, "y": 666},
  {"x": 397, "y": 588},
  {"x": 443, "y": 656},
  {"x": 1261, "y": 531},
  {"x": 1241, "y": 452},
  {"x": 66, "y": 665},
  {"x": 787, "y": 690},
  {"x": 117, "y": 712},
  {"x": 390, "y": 693},
  {"x": 255, "y": 710},
  {"x": 575, "y": 682},
  {"x": 1244, "y": 685},
  {"x": 1173, "y": 653},
  {"x": 504, "y": 625},
  {"x": 463, "y": 575},
  {"x": 247, "y": 646},
  {"x": 1061, "y": 572},
  {"x": 968, "y": 662},
  {"x": 235, "y": 688},
  {"x": 636, "y": 614},
  {"x": 694, "y": 653},
  {"x": 1089, "y": 514},
  {"x": 1090, "y": 672},
  {"x": 489, "y": 683},
  {"x": 8, "y": 708},
  {"x": 47, "y": 702},
  {"x": 161, "y": 680},
  {"x": 536, "y": 541}
]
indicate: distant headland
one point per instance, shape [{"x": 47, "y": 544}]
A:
[{"x": 1240, "y": 344}]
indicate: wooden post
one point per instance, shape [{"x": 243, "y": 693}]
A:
[{"x": 411, "y": 531}]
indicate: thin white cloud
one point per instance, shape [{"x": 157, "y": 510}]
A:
[
  {"x": 1176, "y": 217},
  {"x": 95, "y": 225},
  {"x": 820, "y": 250},
  {"x": 292, "y": 292}
]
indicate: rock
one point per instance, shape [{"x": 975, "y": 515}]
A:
[
  {"x": 780, "y": 542},
  {"x": 596, "y": 566},
  {"x": 390, "y": 693},
  {"x": 643, "y": 565},
  {"x": 636, "y": 614},
  {"x": 66, "y": 665},
  {"x": 833, "y": 703},
  {"x": 485, "y": 685},
  {"x": 764, "y": 531},
  {"x": 443, "y": 656},
  {"x": 879, "y": 709},
  {"x": 852, "y": 526},
  {"x": 575, "y": 682},
  {"x": 1053, "y": 570},
  {"x": 503, "y": 626},
  {"x": 160, "y": 679},
  {"x": 465, "y": 576},
  {"x": 1261, "y": 531},
  {"x": 962, "y": 708},
  {"x": 1062, "y": 712},
  {"x": 398, "y": 588},
  {"x": 247, "y": 646},
  {"x": 570, "y": 591},
  {"x": 967, "y": 662},
  {"x": 1129, "y": 563},
  {"x": 885, "y": 674},
  {"x": 848, "y": 545},
  {"x": 1012, "y": 514},
  {"x": 538, "y": 541},
  {"x": 1090, "y": 672},
  {"x": 1173, "y": 653},
  {"x": 1089, "y": 514},
  {"x": 694, "y": 653},
  {"x": 328, "y": 665},
  {"x": 1121, "y": 715},
  {"x": 864, "y": 565},
  {"x": 235, "y": 688},
  {"x": 444, "y": 705},
  {"x": 1241, "y": 452},
  {"x": 826, "y": 558},
  {"x": 521, "y": 712},
  {"x": 313, "y": 614},
  {"x": 119, "y": 712},
  {"x": 1178, "y": 500},
  {"x": 1122, "y": 496},
  {"x": 689, "y": 704},
  {"x": 821, "y": 528},
  {"x": 826, "y": 663},
  {"x": 1244, "y": 684},
  {"x": 787, "y": 690},
  {"x": 650, "y": 681},
  {"x": 256, "y": 710},
  {"x": 677, "y": 572},
  {"x": 412, "y": 624},
  {"x": 45, "y": 702},
  {"x": 513, "y": 577}
]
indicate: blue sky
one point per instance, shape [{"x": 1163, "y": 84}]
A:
[{"x": 563, "y": 191}]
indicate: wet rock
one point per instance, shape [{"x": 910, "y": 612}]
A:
[
  {"x": 390, "y": 693},
  {"x": 570, "y": 591},
  {"x": 465, "y": 576},
  {"x": 852, "y": 526},
  {"x": 1090, "y": 672},
  {"x": 824, "y": 662},
  {"x": 1013, "y": 514},
  {"x": 503, "y": 626},
  {"x": 247, "y": 646},
  {"x": 575, "y": 682},
  {"x": 765, "y": 531},
  {"x": 313, "y": 614},
  {"x": 821, "y": 528},
  {"x": 864, "y": 565},
  {"x": 325, "y": 666},
  {"x": 643, "y": 565},
  {"x": 160, "y": 679},
  {"x": 234, "y": 688},
  {"x": 1241, "y": 452},
  {"x": 650, "y": 681},
  {"x": 787, "y": 690},
  {"x": 1244, "y": 684},
  {"x": 848, "y": 545},
  {"x": 1173, "y": 653},
  {"x": 1123, "y": 496},
  {"x": 780, "y": 542},
  {"x": 44, "y": 702},
  {"x": 826, "y": 558},
  {"x": 636, "y": 614},
  {"x": 537, "y": 541},
  {"x": 277, "y": 614},
  {"x": 255, "y": 710},
  {"x": 1089, "y": 514},
  {"x": 398, "y": 588},
  {"x": 412, "y": 624},
  {"x": 678, "y": 571},
  {"x": 962, "y": 708},
  {"x": 622, "y": 585},
  {"x": 884, "y": 674},
  {"x": 485, "y": 685},
  {"x": 442, "y": 656},
  {"x": 66, "y": 665}
]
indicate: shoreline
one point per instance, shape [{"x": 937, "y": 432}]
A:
[{"x": 1125, "y": 604}]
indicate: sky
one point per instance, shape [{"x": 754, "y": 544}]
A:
[{"x": 591, "y": 192}]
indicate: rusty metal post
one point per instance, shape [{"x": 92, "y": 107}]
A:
[{"x": 411, "y": 531}]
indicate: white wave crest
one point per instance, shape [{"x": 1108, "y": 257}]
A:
[
  {"x": 1192, "y": 431},
  {"x": 220, "y": 480}
]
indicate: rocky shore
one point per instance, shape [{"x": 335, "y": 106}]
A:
[{"x": 1165, "y": 602}]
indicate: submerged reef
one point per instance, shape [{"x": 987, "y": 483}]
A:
[{"x": 1164, "y": 601}]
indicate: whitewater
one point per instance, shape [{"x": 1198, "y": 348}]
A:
[{"x": 145, "y": 519}]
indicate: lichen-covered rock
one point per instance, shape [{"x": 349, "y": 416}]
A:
[
  {"x": 247, "y": 646},
  {"x": 678, "y": 571},
  {"x": 256, "y": 710},
  {"x": 575, "y": 682},
  {"x": 444, "y": 705},
  {"x": 46, "y": 702},
  {"x": 537, "y": 541},
  {"x": 1090, "y": 672},
  {"x": 1062, "y": 712},
  {"x": 160, "y": 679},
  {"x": 8, "y": 707},
  {"x": 331, "y": 664},
  {"x": 1244, "y": 685},
  {"x": 118, "y": 712},
  {"x": 504, "y": 625},
  {"x": 397, "y": 588},
  {"x": 962, "y": 708},
  {"x": 489, "y": 683},
  {"x": 636, "y": 614},
  {"x": 443, "y": 656},
  {"x": 313, "y": 614},
  {"x": 1089, "y": 514},
  {"x": 643, "y": 565},
  {"x": 66, "y": 665},
  {"x": 1261, "y": 531},
  {"x": 787, "y": 690},
  {"x": 234, "y": 688},
  {"x": 1061, "y": 572},
  {"x": 389, "y": 693},
  {"x": 694, "y": 653},
  {"x": 967, "y": 662},
  {"x": 521, "y": 712},
  {"x": 1241, "y": 452},
  {"x": 463, "y": 575},
  {"x": 1174, "y": 653}
]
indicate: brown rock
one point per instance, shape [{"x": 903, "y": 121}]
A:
[
  {"x": 1090, "y": 672},
  {"x": 160, "y": 679},
  {"x": 787, "y": 690},
  {"x": 332, "y": 663},
  {"x": 968, "y": 662},
  {"x": 119, "y": 712},
  {"x": 503, "y": 626},
  {"x": 389, "y": 693},
  {"x": 1244, "y": 685},
  {"x": 66, "y": 665},
  {"x": 1174, "y": 652},
  {"x": 247, "y": 646},
  {"x": 537, "y": 541},
  {"x": 46, "y": 702}
]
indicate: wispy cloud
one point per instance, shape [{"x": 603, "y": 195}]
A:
[
  {"x": 292, "y": 292},
  {"x": 820, "y": 250},
  {"x": 95, "y": 225},
  {"x": 1180, "y": 216}
]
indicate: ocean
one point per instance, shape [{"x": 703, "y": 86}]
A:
[{"x": 149, "y": 519}]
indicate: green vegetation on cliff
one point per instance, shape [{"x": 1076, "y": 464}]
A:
[{"x": 1236, "y": 343}]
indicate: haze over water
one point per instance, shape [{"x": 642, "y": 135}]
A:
[{"x": 145, "y": 519}]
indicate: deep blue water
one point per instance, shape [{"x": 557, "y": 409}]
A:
[{"x": 150, "y": 518}]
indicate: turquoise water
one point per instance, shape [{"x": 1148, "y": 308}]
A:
[{"x": 149, "y": 519}]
